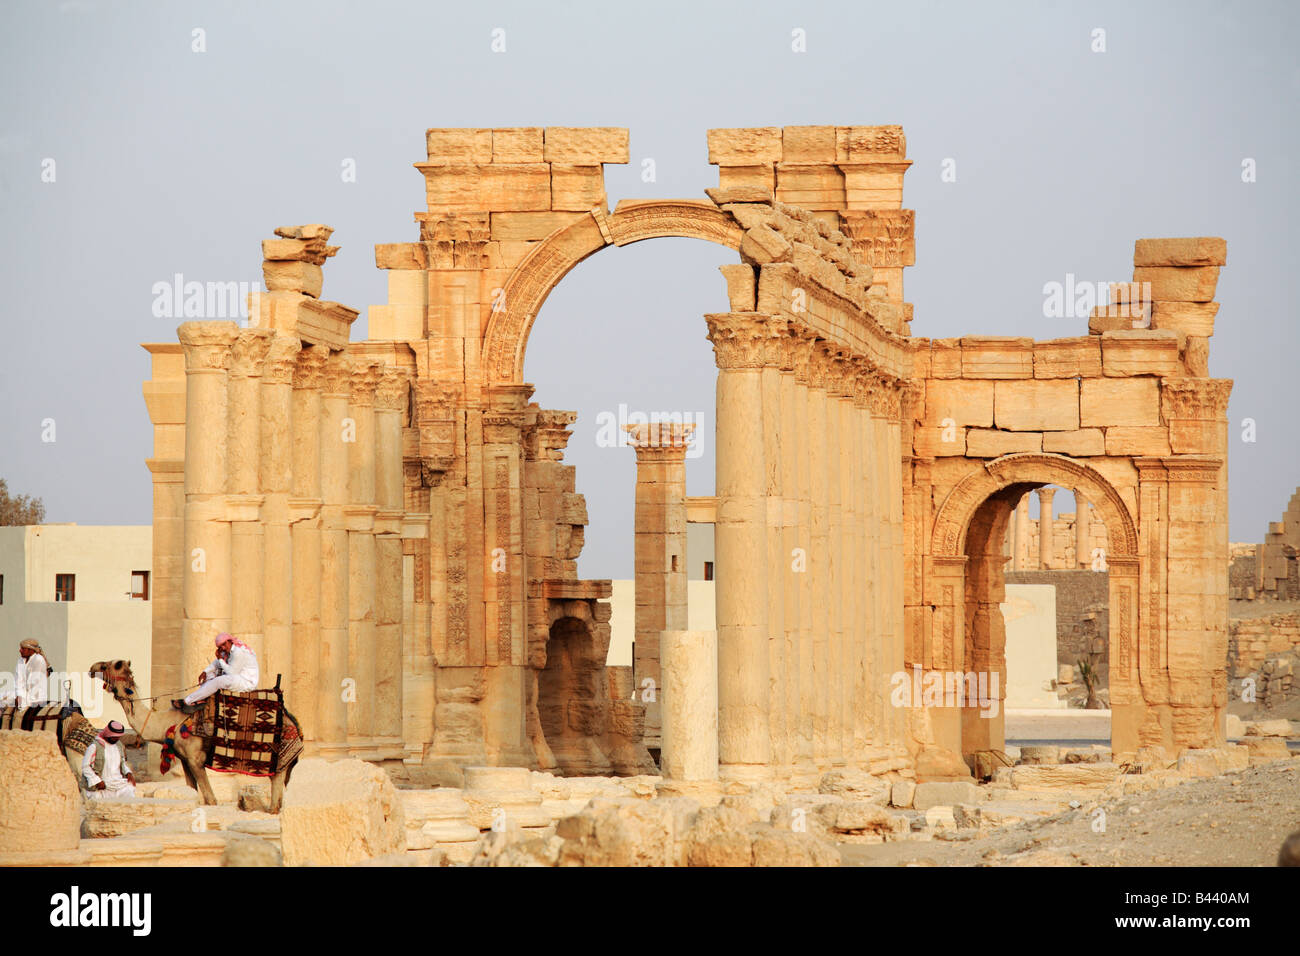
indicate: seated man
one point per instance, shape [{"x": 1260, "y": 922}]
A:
[
  {"x": 235, "y": 669},
  {"x": 108, "y": 776}
]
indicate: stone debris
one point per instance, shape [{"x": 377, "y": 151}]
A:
[{"x": 340, "y": 812}]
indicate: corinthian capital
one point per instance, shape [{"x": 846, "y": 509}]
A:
[
  {"x": 207, "y": 344},
  {"x": 281, "y": 359},
  {"x": 393, "y": 389},
  {"x": 249, "y": 352},
  {"x": 745, "y": 339}
]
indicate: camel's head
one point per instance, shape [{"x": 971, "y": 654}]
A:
[{"x": 117, "y": 678}]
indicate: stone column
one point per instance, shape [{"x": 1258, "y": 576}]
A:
[
  {"x": 1020, "y": 549},
  {"x": 838, "y": 448},
  {"x": 822, "y": 451},
  {"x": 243, "y": 487},
  {"x": 853, "y": 580},
  {"x": 744, "y": 692},
  {"x": 778, "y": 563},
  {"x": 791, "y": 565},
  {"x": 806, "y": 448},
  {"x": 362, "y": 577},
  {"x": 305, "y": 534},
  {"x": 689, "y": 669},
  {"x": 276, "y": 454},
  {"x": 890, "y": 497},
  {"x": 1046, "y": 525},
  {"x": 659, "y": 551},
  {"x": 1082, "y": 532},
  {"x": 332, "y": 713},
  {"x": 391, "y": 401},
  {"x": 206, "y": 586}
]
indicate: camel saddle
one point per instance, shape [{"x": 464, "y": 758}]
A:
[{"x": 249, "y": 732}]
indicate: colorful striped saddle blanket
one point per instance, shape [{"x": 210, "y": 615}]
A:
[
  {"x": 252, "y": 732},
  {"x": 48, "y": 719}
]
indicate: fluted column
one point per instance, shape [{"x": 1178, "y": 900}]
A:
[
  {"x": 206, "y": 585},
  {"x": 744, "y": 744},
  {"x": 362, "y": 580},
  {"x": 823, "y": 451},
  {"x": 1046, "y": 525},
  {"x": 791, "y": 568},
  {"x": 837, "y": 448},
  {"x": 305, "y": 507},
  {"x": 391, "y": 402},
  {"x": 778, "y": 562},
  {"x": 1082, "y": 532},
  {"x": 276, "y": 454},
  {"x": 659, "y": 552},
  {"x": 852, "y": 596},
  {"x": 867, "y": 633},
  {"x": 807, "y": 448},
  {"x": 334, "y": 698},
  {"x": 243, "y": 486},
  {"x": 1021, "y": 547}
]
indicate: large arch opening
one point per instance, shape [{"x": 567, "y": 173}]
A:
[{"x": 982, "y": 529}]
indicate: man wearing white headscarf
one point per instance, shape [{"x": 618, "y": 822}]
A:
[
  {"x": 235, "y": 669},
  {"x": 31, "y": 676},
  {"x": 108, "y": 775}
]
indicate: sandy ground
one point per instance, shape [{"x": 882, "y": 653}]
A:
[{"x": 1236, "y": 820}]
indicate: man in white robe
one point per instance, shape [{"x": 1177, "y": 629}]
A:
[
  {"x": 31, "y": 676},
  {"x": 108, "y": 775},
  {"x": 235, "y": 669}
]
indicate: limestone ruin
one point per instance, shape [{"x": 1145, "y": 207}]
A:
[{"x": 394, "y": 516}]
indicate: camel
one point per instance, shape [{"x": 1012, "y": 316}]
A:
[{"x": 151, "y": 723}]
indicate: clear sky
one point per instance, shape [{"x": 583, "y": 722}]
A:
[{"x": 167, "y": 160}]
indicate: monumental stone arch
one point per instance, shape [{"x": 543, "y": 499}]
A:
[{"x": 392, "y": 518}]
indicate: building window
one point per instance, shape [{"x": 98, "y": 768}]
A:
[
  {"x": 65, "y": 587},
  {"x": 2, "y": 589},
  {"x": 708, "y": 570},
  {"x": 139, "y": 585}
]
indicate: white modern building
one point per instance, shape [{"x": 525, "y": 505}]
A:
[{"x": 83, "y": 592}]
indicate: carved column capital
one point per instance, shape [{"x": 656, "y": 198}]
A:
[
  {"x": 249, "y": 352},
  {"x": 392, "y": 389},
  {"x": 364, "y": 380},
  {"x": 336, "y": 375},
  {"x": 281, "y": 360},
  {"x": 1196, "y": 399},
  {"x": 207, "y": 345},
  {"x": 745, "y": 339},
  {"x": 309, "y": 369}
]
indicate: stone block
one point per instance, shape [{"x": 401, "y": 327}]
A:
[
  {"x": 1082, "y": 443},
  {"x": 339, "y": 812},
  {"x": 114, "y": 818},
  {"x": 939, "y": 441},
  {"x": 929, "y": 795},
  {"x": 585, "y": 145},
  {"x": 459, "y": 146},
  {"x": 745, "y": 147},
  {"x": 1137, "y": 440},
  {"x": 997, "y": 357},
  {"x": 1067, "y": 358},
  {"x": 1192, "y": 251},
  {"x": 1140, "y": 352},
  {"x": 990, "y": 443},
  {"x": 1279, "y": 727},
  {"x": 945, "y": 359},
  {"x": 1235, "y": 727},
  {"x": 40, "y": 801},
  {"x": 577, "y": 188},
  {"x": 1266, "y": 748},
  {"x": 966, "y": 402},
  {"x": 520, "y": 144},
  {"x": 760, "y": 180},
  {"x": 506, "y": 188},
  {"x": 1105, "y": 402},
  {"x": 1036, "y": 405},
  {"x": 902, "y": 793},
  {"x": 292, "y": 276},
  {"x": 1189, "y": 318},
  {"x": 1174, "y": 284},
  {"x": 1063, "y": 776},
  {"x": 512, "y": 226},
  {"x": 810, "y": 187},
  {"x": 809, "y": 145}
]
